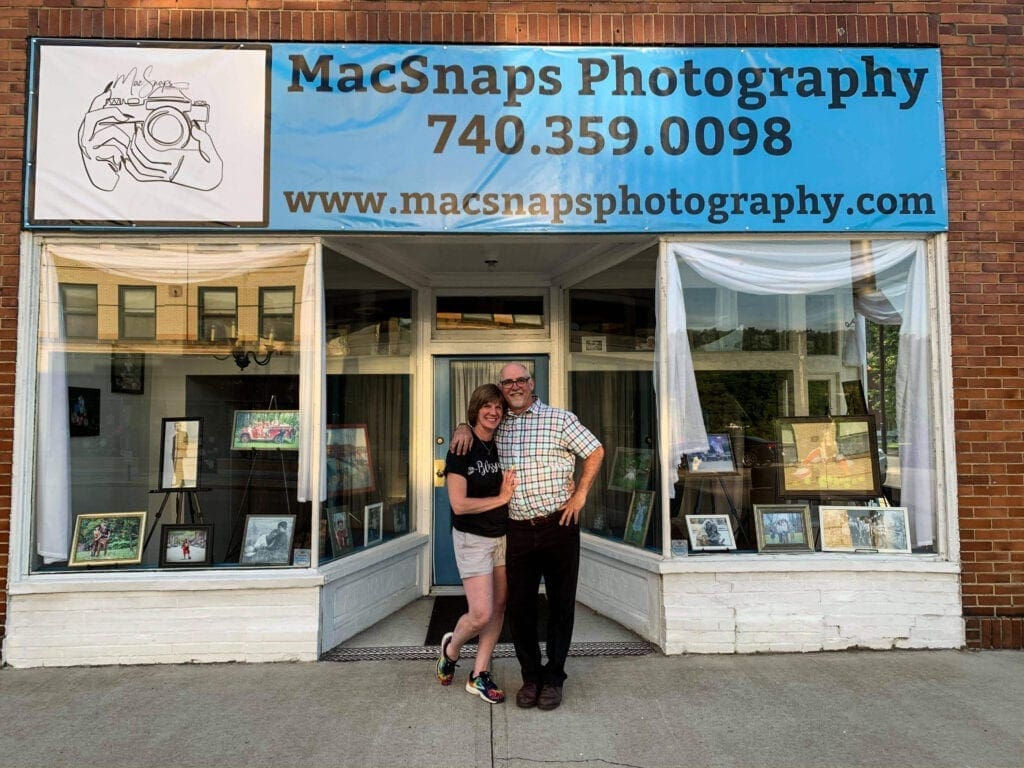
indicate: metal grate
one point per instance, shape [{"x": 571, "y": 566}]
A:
[{"x": 501, "y": 651}]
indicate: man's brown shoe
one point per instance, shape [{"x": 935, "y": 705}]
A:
[
  {"x": 527, "y": 696},
  {"x": 550, "y": 697}
]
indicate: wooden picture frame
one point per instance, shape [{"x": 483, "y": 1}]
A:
[
  {"x": 128, "y": 373},
  {"x": 881, "y": 530},
  {"x": 181, "y": 445},
  {"x": 107, "y": 538},
  {"x": 710, "y": 533},
  {"x": 267, "y": 540},
  {"x": 784, "y": 528},
  {"x": 827, "y": 458},
  {"x": 631, "y": 469},
  {"x": 339, "y": 530},
  {"x": 718, "y": 459},
  {"x": 638, "y": 520},
  {"x": 349, "y": 463},
  {"x": 83, "y": 412},
  {"x": 593, "y": 344},
  {"x": 265, "y": 431},
  {"x": 373, "y": 524},
  {"x": 186, "y": 546}
]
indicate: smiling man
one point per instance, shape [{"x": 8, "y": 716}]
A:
[{"x": 542, "y": 443}]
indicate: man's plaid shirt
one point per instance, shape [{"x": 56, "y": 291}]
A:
[{"x": 542, "y": 443}]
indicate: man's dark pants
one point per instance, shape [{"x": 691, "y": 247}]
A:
[{"x": 551, "y": 551}]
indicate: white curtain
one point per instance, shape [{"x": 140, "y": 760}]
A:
[
  {"x": 171, "y": 263},
  {"x": 895, "y": 272}
]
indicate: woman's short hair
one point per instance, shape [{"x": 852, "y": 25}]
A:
[{"x": 482, "y": 395}]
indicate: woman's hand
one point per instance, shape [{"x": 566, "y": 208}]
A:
[{"x": 509, "y": 481}]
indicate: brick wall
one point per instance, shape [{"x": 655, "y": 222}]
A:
[{"x": 982, "y": 46}]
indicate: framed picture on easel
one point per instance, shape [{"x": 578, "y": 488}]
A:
[
  {"x": 265, "y": 430},
  {"x": 180, "y": 446}
]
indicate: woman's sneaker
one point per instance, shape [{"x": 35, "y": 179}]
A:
[
  {"x": 445, "y": 666},
  {"x": 485, "y": 688}
]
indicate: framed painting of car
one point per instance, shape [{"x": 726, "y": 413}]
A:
[{"x": 265, "y": 431}]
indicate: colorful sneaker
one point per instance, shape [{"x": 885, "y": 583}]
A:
[
  {"x": 485, "y": 688},
  {"x": 445, "y": 666}
]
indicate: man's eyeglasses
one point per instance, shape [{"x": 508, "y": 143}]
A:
[{"x": 522, "y": 381}]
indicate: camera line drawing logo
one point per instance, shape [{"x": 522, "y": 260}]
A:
[{"x": 151, "y": 130}]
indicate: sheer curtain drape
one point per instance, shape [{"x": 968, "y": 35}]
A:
[
  {"x": 889, "y": 285},
  {"x": 164, "y": 264}
]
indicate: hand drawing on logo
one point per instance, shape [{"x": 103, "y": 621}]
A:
[{"x": 151, "y": 130}]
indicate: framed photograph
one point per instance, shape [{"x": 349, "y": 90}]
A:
[
  {"x": 400, "y": 516},
  {"x": 828, "y": 458},
  {"x": 339, "y": 530},
  {"x": 631, "y": 470},
  {"x": 709, "y": 533},
  {"x": 83, "y": 411},
  {"x": 180, "y": 444},
  {"x": 882, "y": 530},
  {"x": 349, "y": 465},
  {"x": 267, "y": 540},
  {"x": 594, "y": 344},
  {"x": 128, "y": 372},
  {"x": 639, "y": 518},
  {"x": 373, "y": 524},
  {"x": 783, "y": 528},
  {"x": 265, "y": 430},
  {"x": 856, "y": 403},
  {"x": 111, "y": 538},
  {"x": 186, "y": 545},
  {"x": 718, "y": 459}
]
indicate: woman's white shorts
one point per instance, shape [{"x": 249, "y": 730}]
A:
[{"x": 477, "y": 555}]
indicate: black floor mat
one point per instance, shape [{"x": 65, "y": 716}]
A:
[{"x": 448, "y": 608}]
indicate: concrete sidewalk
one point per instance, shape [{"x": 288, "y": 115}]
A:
[{"x": 899, "y": 708}]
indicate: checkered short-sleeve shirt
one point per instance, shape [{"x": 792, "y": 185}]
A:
[{"x": 542, "y": 443}]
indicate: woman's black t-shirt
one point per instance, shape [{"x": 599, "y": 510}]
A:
[{"x": 482, "y": 471}]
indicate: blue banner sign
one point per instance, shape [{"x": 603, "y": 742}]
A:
[{"x": 525, "y": 139}]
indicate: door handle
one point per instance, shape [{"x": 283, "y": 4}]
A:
[{"x": 438, "y": 473}]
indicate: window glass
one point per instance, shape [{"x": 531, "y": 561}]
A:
[
  {"x": 611, "y": 381},
  {"x": 138, "y": 312},
  {"x": 218, "y": 313},
  {"x": 781, "y": 366},
  {"x": 79, "y": 309},
  {"x": 277, "y": 313},
  {"x": 369, "y": 324},
  {"x": 474, "y": 313},
  {"x": 169, "y": 449}
]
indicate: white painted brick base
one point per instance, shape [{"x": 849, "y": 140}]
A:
[
  {"x": 67, "y": 628},
  {"x": 773, "y": 608}
]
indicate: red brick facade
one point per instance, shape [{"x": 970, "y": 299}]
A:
[{"x": 982, "y": 48}]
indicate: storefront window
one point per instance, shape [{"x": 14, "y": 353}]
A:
[
  {"x": 172, "y": 437},
  {"x": 803, "y": 381},
  {"x": 612, "y": 391},
  {"x": 369, "y": 341}
]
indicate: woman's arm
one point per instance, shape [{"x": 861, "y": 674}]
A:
[{"x": 464, "y": 505}]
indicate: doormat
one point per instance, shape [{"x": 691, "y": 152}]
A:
[
  {"x": 448, "y": 608},
  {"x": 446, "y": 612}
]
